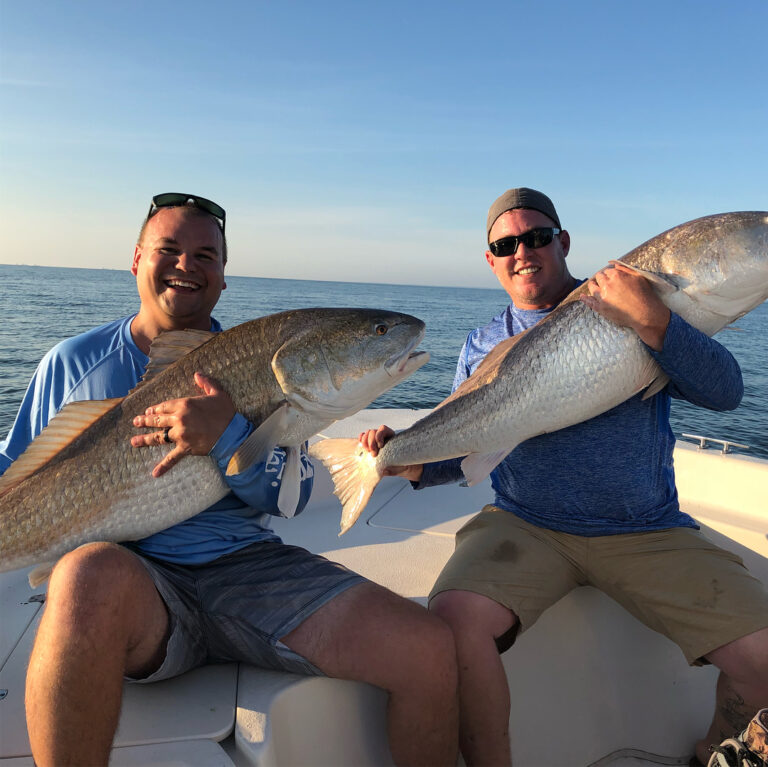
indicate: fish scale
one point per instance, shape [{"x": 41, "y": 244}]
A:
[
  {"x": 99, "y": 488},
  {"x": 572, "y": 365}
]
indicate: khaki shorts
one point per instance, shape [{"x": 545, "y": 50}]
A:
[{"x": 675, "y": 581}]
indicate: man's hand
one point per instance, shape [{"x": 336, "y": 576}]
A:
[
  {"x": 626, "y": 298},
  {"x": 375, "y": 439},
  {"x": 194, "y": 424}
]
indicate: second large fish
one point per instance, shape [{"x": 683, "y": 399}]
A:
[
  {"x": 290, "y": 374},
  {"x": 574, "y": 364}
]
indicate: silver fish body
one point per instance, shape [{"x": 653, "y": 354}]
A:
[
  {"x": 574, "y": 364},
  {"x": 291, "y": 374}
]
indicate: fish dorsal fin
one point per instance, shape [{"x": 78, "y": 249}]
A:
[
  {"x": 171, "y": 346},
  {"x": 70, "y": 422}
]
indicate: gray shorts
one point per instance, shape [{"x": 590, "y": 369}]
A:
[{"x": 238, "y": 607}]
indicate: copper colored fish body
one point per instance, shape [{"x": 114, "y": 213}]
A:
[{"x": 291, "y": 374}]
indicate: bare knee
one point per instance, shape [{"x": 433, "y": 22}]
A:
[
  {"x": 94, "y": 569},
  {"x": 745, "y": 659},
  {"x": 101, "y": 586},
  {"x": 470, "y": 614}
]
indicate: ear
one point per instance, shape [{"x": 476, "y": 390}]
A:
[
  {"x": 565, "y": 242},
  {"x": 489, "y": 258},
  {"x": 136, "y": 258},
  {"x": 224, "y": 286}
]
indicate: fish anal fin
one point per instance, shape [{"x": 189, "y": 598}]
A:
[
  {"x": 171, "y": 346},
  {"x": 68, "y": 424},
  {"x": 477, "y": 466},
  {"x": 260, "y": 443},
  {"x": 657, "y": 385}
]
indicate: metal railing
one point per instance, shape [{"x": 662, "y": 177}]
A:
[{"x": 704, "y": 443}]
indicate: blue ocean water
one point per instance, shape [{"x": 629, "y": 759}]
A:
[{"x": 42, "y": 305}]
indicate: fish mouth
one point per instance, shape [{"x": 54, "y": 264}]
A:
[{"x": 404, "y": 363}]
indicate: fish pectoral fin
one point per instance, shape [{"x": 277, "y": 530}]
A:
[
  {"x": 171, "y": 346},
  {"x": 322, "y": 411},
  {"x": 40, "y": 574},
  {"x": 68, "y": 424},
  {"x": 260, "y": 443},
  {"x": 290, "y": 484},
  {"x": 477, "y": 466},
  {"x": 663, "y": 283}
]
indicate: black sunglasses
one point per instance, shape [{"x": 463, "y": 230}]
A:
[
  {"x": 534, "y": 238},
  {"x": 174, "y": 199}
]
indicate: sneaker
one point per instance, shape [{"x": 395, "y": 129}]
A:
[{"x": 750, "y": 749}]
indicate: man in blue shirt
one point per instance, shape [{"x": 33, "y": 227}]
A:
[
  {"x": 605, "y": 485},
  {"x": 220, "y": 586}
]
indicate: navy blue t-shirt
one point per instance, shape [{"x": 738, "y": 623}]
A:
[{"x": 613, "y": 473}]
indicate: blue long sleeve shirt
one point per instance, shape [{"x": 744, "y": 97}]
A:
[
  {"x": 613, "y": 473},
  {"x": 104, "y": 363}
]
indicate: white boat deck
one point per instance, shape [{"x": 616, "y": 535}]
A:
[{"x": 589, "y": 684}]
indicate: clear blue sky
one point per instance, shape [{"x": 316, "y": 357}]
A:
[{"x": 365, "y": 141}]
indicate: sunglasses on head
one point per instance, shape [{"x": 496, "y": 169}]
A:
[
  {"x": 174, "y": 199},
  {"x": 533, "y": 238}
]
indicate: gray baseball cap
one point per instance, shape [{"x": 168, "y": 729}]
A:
[{"x": 522, "y": 198}]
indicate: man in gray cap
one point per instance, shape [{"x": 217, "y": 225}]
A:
[
  {"x": 525, "y": 551},
  {"x": 530, "y": 268}
]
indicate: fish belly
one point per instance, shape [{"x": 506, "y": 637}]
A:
[
  {"x": 576, "y": 368},
  {"x": 59, "y": 516}
]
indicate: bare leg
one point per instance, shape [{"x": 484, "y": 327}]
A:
[
  {"x": 103, "y": 619},
  {"x": 484, "y": 705},
  {"x": 369, "y": 634},
  {"x": 742, "y": 688}
]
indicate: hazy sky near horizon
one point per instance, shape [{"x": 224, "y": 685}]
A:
[{"x": 365, "y": 141}]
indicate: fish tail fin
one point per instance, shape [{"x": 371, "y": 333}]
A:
[{"x": 354, "y": 473}]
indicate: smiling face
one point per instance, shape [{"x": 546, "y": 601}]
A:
[
  {"x": 534, "y": 278},
  {"x": 179, "y": 272}
]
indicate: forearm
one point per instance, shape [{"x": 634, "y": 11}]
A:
[
  {"x": 700, "y": 369},
  {"x": 440, "y": 473},
  {"x": 652, "y": 328},
  {"x": 259, "y": 484}
]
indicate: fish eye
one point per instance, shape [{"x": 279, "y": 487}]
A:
[{"x": 381, "y": 329}]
